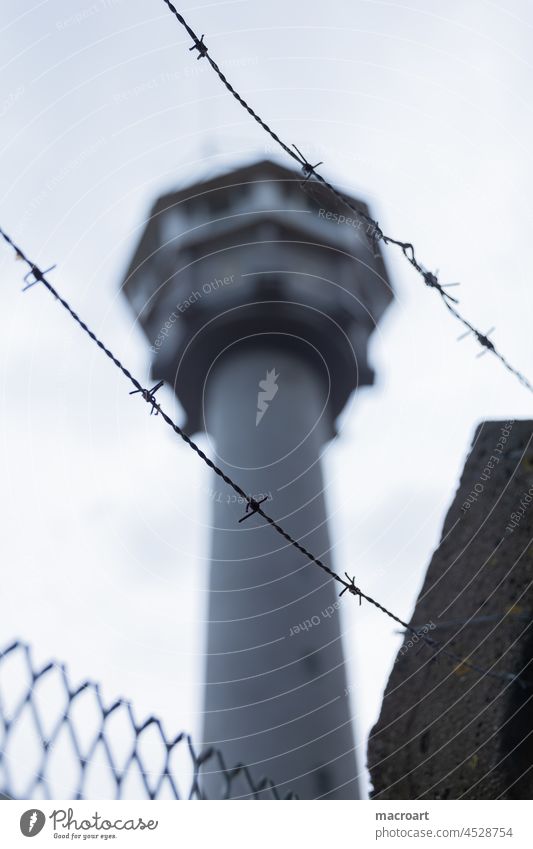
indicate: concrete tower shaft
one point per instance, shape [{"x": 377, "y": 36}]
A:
[{"x": 275, "y": 684}]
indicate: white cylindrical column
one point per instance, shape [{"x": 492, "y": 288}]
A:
[{"x": 275, "y": 677}]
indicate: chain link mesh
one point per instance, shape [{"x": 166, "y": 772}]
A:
[{"x": 60, "y": 741}]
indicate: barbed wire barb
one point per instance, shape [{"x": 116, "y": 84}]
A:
[
  {"x": 351, "y": 588},
  {"x": 149, "y": 396},
  {"x": 307, "y": 168},
  {"x": 35, "y": 273},
  {"x": 200, "y": 47},
  {"x": 252, "y": 507}
]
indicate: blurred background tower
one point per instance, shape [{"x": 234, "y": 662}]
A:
[{"x": 258, "y": 301}]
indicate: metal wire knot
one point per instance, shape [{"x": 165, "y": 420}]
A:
[
  {"x": 252, "y": 507},
  {"x": 307, "y": 168},
  {"x": 432, "y": 281},
  {"x": 483, "y": 339},
  {"x": 149, "y": 396},
  {"x": 351, "y": 588},
  {"x": 36, "y": 274},
  {"x": 200, "y": 47}
]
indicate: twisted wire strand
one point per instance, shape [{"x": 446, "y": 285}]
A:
[
  {"x": 347, "y": 583},
  {"x": 374, "y": 231}
]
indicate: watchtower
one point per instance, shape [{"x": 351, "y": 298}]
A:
[{"x": 258, "y": 300}]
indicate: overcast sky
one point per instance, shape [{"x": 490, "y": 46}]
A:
[{"x": 423, "y": 109}]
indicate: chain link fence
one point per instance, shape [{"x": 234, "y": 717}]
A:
[{"x": 61, "y": 742}]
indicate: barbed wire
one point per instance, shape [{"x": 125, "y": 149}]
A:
[
  {"x": 80, "y": 742},
  {"x": 253, "y": 506},
  {"x": 374, "y": 231}
]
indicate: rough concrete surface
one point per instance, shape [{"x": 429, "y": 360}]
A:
[{"x": 448, "y": 730}]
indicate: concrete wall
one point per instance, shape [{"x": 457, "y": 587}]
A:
[{"x": 447, "y": 731}]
